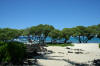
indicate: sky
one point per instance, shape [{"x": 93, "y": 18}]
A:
[{"x": 61, "y": 14}]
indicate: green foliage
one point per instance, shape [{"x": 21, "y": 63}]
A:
[
  {"x": 79, "y": 30},
  {"x": 98, "y": 36},
  {"x": 66, "y": 33},
  {"x": 12, "y": 52},
  {"x": 47, "y": 29},
  {"x": 54, "y": 34},
  {"x": 32, "y": 30},
  {"x": 99, "y": 45},
  {"x": 98, "y": 30},
  {"x": 62, "y": 45},
  {"x": 26, "y": 32},
  {"x": 39, "y": 30},
  {"x": 44, "y": 29},
  {"x": 8, "y": 34},
  {"x": 83, "y": 34}
]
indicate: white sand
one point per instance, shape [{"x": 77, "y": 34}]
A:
[{"x": 60, "y": 55}]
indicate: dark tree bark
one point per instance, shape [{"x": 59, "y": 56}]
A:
[
  {"x": 83, "y": 39},
  {"x": 65, "y": 40},
  {"x": 29, "y": 39},
  {"x": 80, "y": 39}
]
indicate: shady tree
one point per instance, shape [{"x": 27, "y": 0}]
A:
[
  {"x": 55, "y": 35},
  {"x": 66, "y": 33},
  {"x": 83, "y": 34},
  {"x": 44, "y": 30},
  {"x": 41, "y": 31}
]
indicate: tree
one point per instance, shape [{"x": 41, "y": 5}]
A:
[
  {"x": 54, "y": 34},
  {"x": 98, "y": 31},
  {"x": 44, "y": 30},
  {"x": 66, "y": 33},
  {"x": 83, "y": 34},
  {"x": 41, "y": 31},
  {"x": 9, "y": 34},
  {"x": 90, "y": 33},
  {"x": 33, "y": 30},
  {"x": 79, "y": 32}
]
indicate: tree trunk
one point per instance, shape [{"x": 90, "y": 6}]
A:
[
  {"x": 51, "y": 41},
  {"x": 83, "y": 39},
  {"x": 44, "y": 39},
  {"x": 65, "y": 40},
  {"x": 39, "y": 39},
  {"x": 79, "y": 39},
  {"x": 29, "y": 39},
  {"x": 86, "y": 41}
]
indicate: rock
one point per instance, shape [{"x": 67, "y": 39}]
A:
[
  {"x": 79, "y": 52},
  {"x": 70, "y": 52},
  {"x": 96, "y": 62},
  {"x": 67, "y": 48}
]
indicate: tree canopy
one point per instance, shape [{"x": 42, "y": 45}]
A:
[
  {"x": 9, "y": 34},
  {"x": 81, "y": 33},
  {"x": 66, "y": 33}
]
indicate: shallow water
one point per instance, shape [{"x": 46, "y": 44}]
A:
[{"x": 48, "y": 39}]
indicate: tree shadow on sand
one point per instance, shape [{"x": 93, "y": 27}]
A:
[{"x": 47, "y": 57}]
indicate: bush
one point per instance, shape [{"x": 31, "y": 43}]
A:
[{"x": 13, "y": 52}]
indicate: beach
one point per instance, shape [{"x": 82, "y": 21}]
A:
[{"x": 81, "y": 53}]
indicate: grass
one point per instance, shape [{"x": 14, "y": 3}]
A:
[{"x": 61, "y": 45}]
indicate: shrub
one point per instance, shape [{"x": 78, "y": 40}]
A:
[{"x": 13, "y": 52}]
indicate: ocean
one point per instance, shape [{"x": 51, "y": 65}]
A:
[
  {"x": 74, "y": 40},
  {"x": 48, "y": 39}
]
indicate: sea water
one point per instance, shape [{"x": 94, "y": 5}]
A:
[
  {"x": 48, "y": 39},
  {"x": 74, "y": 40}
]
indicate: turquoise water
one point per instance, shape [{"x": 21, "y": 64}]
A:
[
  {"x": 74, "y": 40},
  {"x": 48, "y": 39}
]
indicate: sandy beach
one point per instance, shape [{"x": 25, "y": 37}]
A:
[{"x": 62, "y": 56}]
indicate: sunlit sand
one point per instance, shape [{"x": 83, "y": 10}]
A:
[{"x": 62, "y": 56}]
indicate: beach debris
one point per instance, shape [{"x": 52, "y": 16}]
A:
[
  {"x": 70, "y": 52},
  {"x": 75, "y": 50},
  {"x": 67, "y": 48},
  {"x": 79, "y": 52},
  {"x": 96, "y": 62},
  {"x": 81, "y": 64}
]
